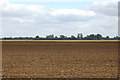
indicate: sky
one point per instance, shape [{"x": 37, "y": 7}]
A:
[{"x": 58, "y": 17}]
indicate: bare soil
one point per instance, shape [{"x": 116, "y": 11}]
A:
[{"x": 60, "y": 60}]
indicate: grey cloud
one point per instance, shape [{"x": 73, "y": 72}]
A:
[{"x": 108, "y": 8}]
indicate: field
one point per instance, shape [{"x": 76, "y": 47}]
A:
[{"x": 70, "y": 59}]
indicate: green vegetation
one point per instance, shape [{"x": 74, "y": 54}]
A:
[{"x": 63, "y": 37}]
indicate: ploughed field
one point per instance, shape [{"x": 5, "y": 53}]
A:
[{"x": 59, "y": 60}]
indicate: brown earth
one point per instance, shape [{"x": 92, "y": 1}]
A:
[{"x": 60, "y": 60}]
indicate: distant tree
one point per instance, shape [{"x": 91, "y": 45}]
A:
[
  {"x": 31, "y": 38},
  {"x": 37, "y": 37},
  {"x": 91, "y": 37},
  {"x": 99, "y": 37},
  {"x": 10, "y": 38},
  {"x": 80, "y": 36},
  {"x": 116, "y": 38},
  {"x": 107, "y": 38},
  {"x": 50, "y": 37},
  {"x": 56, "y": 37},
  {"x": 73, "y": 37},
  {"x": 63, "y": 37}
]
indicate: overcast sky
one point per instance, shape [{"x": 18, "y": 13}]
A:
[{"x": 40, "y": 17}]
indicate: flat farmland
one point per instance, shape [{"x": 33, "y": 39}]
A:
[{"x": 34, "y": 59}]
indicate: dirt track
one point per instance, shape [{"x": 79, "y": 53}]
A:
[{"x": 59, "y": 60}]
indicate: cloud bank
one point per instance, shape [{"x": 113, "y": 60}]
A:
[{"x": 31, "y": 20}]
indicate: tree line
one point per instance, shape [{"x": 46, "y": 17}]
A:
[{"x": 63, "y": 37}]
